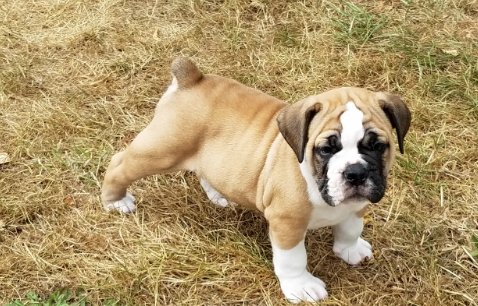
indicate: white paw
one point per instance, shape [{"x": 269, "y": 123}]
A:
[
  {"x": 213, "y": 194},
  {"x": 221, "y": 202},
  {"x": 125, "y": 205},
  {"x": 353, "y": 254},
  {"x": 303, "y": 288}
]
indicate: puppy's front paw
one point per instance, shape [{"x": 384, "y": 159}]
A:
[
  {"x": 125, "y": 205},
  {"x": 303, "y": 288},
  {"x": 355, "y": 253}
]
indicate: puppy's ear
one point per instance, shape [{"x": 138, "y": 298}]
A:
[
  {"x": 398, "y": 114},
  {"x": 294, "y": 121}
]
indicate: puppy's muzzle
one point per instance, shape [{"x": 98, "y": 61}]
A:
[{"x": 356, "y": 174}]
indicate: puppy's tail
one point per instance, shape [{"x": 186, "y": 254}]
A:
[{"x": 185, "y": 72}]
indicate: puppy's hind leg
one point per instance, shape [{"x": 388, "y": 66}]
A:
[
  {"x": 165, "y": 145},
  {"x": 149, "y": 153},
  {"x": 114, "y": 194},
  {"x": 214, "y": 195}
]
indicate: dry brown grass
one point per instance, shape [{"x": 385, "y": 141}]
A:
[{"x": 78, "y": 79}]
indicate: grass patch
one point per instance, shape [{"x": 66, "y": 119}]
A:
[
  {"x": 79, "y": 79},
  {"x": 355, "y": 26},
  {"x": 60, "y": 297},
  {"x": 474, "y": 242}
]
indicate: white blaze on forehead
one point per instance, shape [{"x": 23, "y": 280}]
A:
[{"x": 352, "y": 128}]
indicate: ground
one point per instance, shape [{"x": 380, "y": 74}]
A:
[{"x": 80, "y": 78}]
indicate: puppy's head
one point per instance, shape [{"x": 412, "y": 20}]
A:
[{"x": 344, "y": 143}]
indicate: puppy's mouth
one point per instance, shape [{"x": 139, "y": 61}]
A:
[
  {"x": 371, "y": 190},
  {"x": 356, "y": 194},
  {"x": 361, "y": 193}
]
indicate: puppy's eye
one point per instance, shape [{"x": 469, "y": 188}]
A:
[
  {"x": 378, "y": 146},
  {"x": 326, "y": 150}
]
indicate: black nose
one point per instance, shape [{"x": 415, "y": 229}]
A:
[{"x": 356, "y": 174}]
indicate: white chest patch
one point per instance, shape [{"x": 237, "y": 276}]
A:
[
  {"x": 325, "y": 215},
  {"x": 352, "y": 132}
]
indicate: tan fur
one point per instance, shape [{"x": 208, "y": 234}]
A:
[
  {"x": 361, "y": 213},
  {"x": 227, "y": 133}
]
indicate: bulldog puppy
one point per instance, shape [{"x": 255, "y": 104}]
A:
[{"x": 318, "y": 162}]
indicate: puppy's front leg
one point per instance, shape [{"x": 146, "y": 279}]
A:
[
  {"x": 347, "y": 242},
  {"x": 290, "y": 259},
  {"x": 296, "y": 282}
]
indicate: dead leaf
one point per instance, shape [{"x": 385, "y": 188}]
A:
[
  {"x": 451, "y": 52},
  {"x": 68, "y": 200},
  {"x": 367, "y": 219},
  {"x": 127, "y": 139},
  {"x": 4, "y": 158}
]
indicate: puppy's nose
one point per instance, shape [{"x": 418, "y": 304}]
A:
[{"x": 356, "y": 174}]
